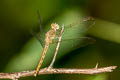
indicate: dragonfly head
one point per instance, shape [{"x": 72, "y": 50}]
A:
[{"x": 54, "y": 26}]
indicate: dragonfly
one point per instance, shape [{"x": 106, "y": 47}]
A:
[{"x": 52, "y": 34}]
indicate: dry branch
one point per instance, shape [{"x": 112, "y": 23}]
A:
[
  {"x": 57, "y": 48},
  {"x": 17, "y": 75}
]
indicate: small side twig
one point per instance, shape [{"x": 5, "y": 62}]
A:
[
  {"x": 57, "y": 48},
  {"x": 17, "y": 75}
]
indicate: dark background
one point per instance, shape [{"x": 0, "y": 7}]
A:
[{"x": 20, "y": 51}]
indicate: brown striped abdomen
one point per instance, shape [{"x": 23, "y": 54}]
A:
[{"x": 41, "y": 59}]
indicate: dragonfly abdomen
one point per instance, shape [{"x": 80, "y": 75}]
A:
[{"x": 41, "y": 59}]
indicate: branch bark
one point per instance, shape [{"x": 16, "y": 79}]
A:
[{"x": 17, "y": 75}]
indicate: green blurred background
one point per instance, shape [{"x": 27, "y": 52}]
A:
[{"x": 19, "y": 50}]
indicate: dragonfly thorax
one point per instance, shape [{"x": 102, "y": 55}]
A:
[{"x": 50, "y": 35}]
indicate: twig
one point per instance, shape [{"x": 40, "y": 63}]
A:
[
  {"x": 57, "y": 48},
  {"x": 17, "y": 75}
]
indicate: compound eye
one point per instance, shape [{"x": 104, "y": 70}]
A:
[{"x": 57, "y": 26}]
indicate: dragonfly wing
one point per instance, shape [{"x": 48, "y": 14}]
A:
[
  {"x": 82, "y": 41},
  {"x": 88, "y": 21},
  {"x": 40, "y": 22},
  {"x": 37, "y": 36}
]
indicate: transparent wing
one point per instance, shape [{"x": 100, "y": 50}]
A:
[
  {"x": 88, "y": 21},
  {"x": 40, "y": 22},
  {"x": 82, "y": 41},
  {"x": 37, "y": 35},
  {"x": 81, "y": 25}
]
